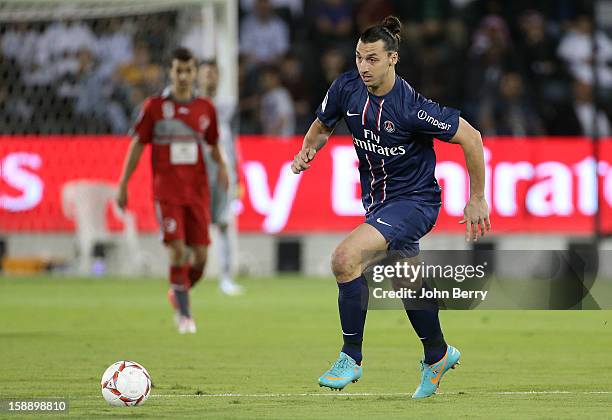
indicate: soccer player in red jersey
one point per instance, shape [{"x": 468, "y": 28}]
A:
[{"x": 179, "y": 126}]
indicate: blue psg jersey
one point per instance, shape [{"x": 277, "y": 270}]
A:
[{"x": 393, "y": 137}]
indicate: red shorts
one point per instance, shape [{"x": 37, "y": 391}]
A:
[{"x": 188, "y": 222}]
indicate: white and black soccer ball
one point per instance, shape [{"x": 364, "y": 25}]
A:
[{"x": 126, "y": 383}]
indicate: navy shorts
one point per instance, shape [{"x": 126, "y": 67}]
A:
[{"x": 404, "y": 222}]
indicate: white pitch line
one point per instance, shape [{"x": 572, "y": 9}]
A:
[
  {"x": 305, "y": 394},
  {"x": 368, "y": 394},
  {"x": 342, "y": 394},
  {"x": 547, "y": 392}
]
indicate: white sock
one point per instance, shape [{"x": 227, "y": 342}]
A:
[{"x": 225, "y": 254}]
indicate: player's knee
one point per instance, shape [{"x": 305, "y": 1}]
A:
[
  {"x": 177, "y": 252},
  {"x": 343, "y": 264},
  {"x": 201, "y": 262},
  {"x": 199, "y": 259},
  {"x": 200, "y": 255}
]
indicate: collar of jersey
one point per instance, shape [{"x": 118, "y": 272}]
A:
[{"x": 396, "y": 85}]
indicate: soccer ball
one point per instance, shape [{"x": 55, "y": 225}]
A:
[{"x": 126, "y": 383}]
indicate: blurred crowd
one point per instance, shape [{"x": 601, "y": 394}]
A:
[
  {"x": 514, "y": 68},
  {"x": 80, "y": 76}
]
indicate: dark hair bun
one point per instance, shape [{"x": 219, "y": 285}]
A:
[
  {"x": 388, "y": 31},
  {"x": 394, "y": 26}
]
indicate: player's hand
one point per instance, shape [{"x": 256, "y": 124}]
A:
[
  {"x": 122, "y": 197},
  {"x": 223, "y": 177},
  {"x": 475, "y": 216},
  {"x": 301, "y": 160}
]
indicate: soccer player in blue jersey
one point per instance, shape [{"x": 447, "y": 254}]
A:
[{"x": 393, "y": 128}]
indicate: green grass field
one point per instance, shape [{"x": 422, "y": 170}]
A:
[{"x": 259, "y": 355}]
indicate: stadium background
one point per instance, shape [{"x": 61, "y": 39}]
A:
[{"x": 74, "y": 74}]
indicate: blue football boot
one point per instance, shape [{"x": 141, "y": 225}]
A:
[
  {"x": 344, "y": 371},
  {"x": 431, "y": 375}
]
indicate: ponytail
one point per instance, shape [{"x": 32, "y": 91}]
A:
[{"x": 388, "y": 31}]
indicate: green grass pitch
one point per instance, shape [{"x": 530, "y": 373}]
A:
[{"x": 259, "y": 355}]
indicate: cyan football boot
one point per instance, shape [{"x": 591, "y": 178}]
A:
[
  {"x": 344, "y": 371},
  {"x": 431, "y": 375}
]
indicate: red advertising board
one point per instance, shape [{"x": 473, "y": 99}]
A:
[
  {"x": 533, "y": 184},
  {"x": 34, "y": 170}
]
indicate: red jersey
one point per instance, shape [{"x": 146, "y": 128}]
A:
[{"x": 177, "y": 132}]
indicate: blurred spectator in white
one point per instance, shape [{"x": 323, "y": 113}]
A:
[
  {"x": 333, "y": 21},
  {"x": 264, "y": 38},
  {"x": 578, "y": 117},
  {"x": 513, "y": 114},
  {"x": 19, "y": 43},
  {"x": 585, "y": 111},
  {"x": 140, "y": 76},
  {"x": 58, "y": 46},
  {"x": 114, "y": 46},
  {"x": 91, "y": 94},
  {"x": 576, "y": 49},
  {"x": 276, "y": 112}
]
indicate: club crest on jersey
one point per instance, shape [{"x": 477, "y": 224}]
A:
[
  {"x": 204, "y": 122},
  {"x": 169, "y": 225},
  {"x": 167, "y": 109},
  {"x": 389, "y": 126}
]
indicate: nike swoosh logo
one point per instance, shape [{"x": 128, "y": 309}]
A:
[
  {"x": 343, "y": 333},
  {"x": 383, "y": 223},
  {"x": 436, "y": 378},
  {"x": 348, "y": 114},
  {"x": 333, "y": 378}
]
